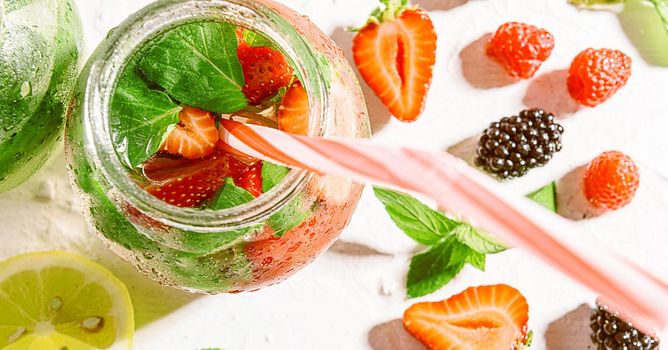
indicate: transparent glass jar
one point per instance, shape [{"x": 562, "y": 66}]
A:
[
  {"x": 227, "y": 250},
  {"x": 40, "y": 54}
]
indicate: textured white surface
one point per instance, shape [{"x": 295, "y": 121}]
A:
[{"x": 345, "y": 298}]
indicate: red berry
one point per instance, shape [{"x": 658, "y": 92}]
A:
[
  {"x": 611, "y": 180},
  {"x": 396, "y": 59},
  {"x": 190, "y": 183},
  {"x": 195, "y": 136},
  {"x": 265, "y": 70},
  {"x": 596, "y": 75},
  {"x": 251, "y": 179},
  {"x": 521, "y": 48}
]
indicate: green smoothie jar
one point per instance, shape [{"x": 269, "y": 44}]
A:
[{"x": 40, "y": 45}]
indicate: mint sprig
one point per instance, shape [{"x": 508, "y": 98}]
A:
[
  {"x": 197, "y": 64},
  {"x": 450, "y": 244}
]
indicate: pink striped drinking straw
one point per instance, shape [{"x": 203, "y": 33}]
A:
[{"x": 460, "y": 188}]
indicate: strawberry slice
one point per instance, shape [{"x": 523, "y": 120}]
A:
[
  {"x": 293, "y": 112},
  {"x": 395, "y": 54},
  {"x": 265, "y": 70},
  {"x": 486, "y": 317},
  {"x": 194, "y": 137},
  {"x": 190, "y": 183},
  {"x": 251, "y": 179}
]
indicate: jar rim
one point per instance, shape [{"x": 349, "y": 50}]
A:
[{"x": 121, "y": 45}]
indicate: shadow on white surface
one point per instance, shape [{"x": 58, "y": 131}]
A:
[
  {"x": 480, "y": 70},
  {"x": 570, "y": 332},
  {"x": 378, "y": 113},
  {"x": 341, "y": 247},
  {"x": 549, "y": 91},
  {"x": 440, "y": 5},
  {"x": 465, "y": 149},
  {"x": 571, "y": 202},
  {"x": 391, "y": 335}
]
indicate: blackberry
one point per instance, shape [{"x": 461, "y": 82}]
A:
[
  {"x": 512, "y": 146},
  {"x": 611, "y": 333}
]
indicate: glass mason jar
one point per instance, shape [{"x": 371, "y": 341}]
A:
[
  {"x": 228, "y": 250},
  {"x": 40, "y": 44}
]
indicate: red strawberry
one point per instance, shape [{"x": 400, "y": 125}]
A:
[
  {"x": 190, "y": 183},
  {"x": 265, "y": 70},
  {"x": 596, "y": 75},
  {"x": 395, "y": 54},
  {"x": 486, "y": 317},
  {"x": 521, "y": 48},
  {"x": 194, "y": 137},
  {"x": 251, "y": 179},
  {"x": 293, "y": 113},
  {"x": 611, "y": 180}
]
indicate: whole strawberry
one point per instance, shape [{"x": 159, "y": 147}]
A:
[
  {"x": 596, "y": 75},
  {"x": 611, "y": 180},
  {"x": 521, "y": 48},
  {"x": 395, "y": 53}
]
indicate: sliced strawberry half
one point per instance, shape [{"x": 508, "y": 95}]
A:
[
  {"x": 486, "y": 317},
  {"x": 395, "y": 54},
  {"x": 265, "y": 71},
  {"x": 194, "y": 137},
  {"x": 190, "y": 183},
  {"x": 251, "y": 179},
  {"x": 293, "y": 113}
]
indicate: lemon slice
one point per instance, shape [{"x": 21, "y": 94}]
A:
[{"x": 62, "y": 301}]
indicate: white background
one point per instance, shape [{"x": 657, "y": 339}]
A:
[{"x": 347, "y": 297}]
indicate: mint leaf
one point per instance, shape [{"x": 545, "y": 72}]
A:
[
  {"x": 289, "y": 217},
  {"x": 140, "y": 116},
  {"x": 197, "y": 64},
  {"x": 478, "y": 240},
  {"x": 272, "y": 175},
  {"x": 476, "y": 260},
  {"x": 256, "y": 40},
  {"x": 546, "y": 196},
  {"x": 230, "y": 196},
  {"x": 431, "y": 270},
  {"x": 293, "y": 213},
  {"x": 418, "y": 221}
]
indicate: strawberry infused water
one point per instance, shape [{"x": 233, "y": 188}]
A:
[{"x": 156, "y": 180}]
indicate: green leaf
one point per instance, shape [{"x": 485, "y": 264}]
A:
[
  {"x": 230, "y": 196},
  {"x": 293, "y": 213},
  {"x": 272, "y": 175},
  {"x": 478, "y": 240},
  {"x": 289, "y": 217},
  {"x": 477, "y": 260},
  {"x": 197, "y": 64},
  {"x": 546, "y": 196},
  {"x": 431, "y": 270},
  {"x": 140, "y": 116},
  {"x": 418, "y": 221},
  {"x": 256, "y": 40}
]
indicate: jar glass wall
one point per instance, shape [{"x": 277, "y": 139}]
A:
[{"x": 227, "y": 250}]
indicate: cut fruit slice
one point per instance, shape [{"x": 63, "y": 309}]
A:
[
  {"x": 485, "y": 317},
  {"x": 293, "y": 113},
  {"x": 58, "y": 300}
]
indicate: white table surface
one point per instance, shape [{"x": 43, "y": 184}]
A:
[{"x": 351, "y": 297}]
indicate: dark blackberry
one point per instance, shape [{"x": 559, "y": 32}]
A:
[
  {"x": 514, "y": 145},
  {"x": 611, "y": 333}
]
